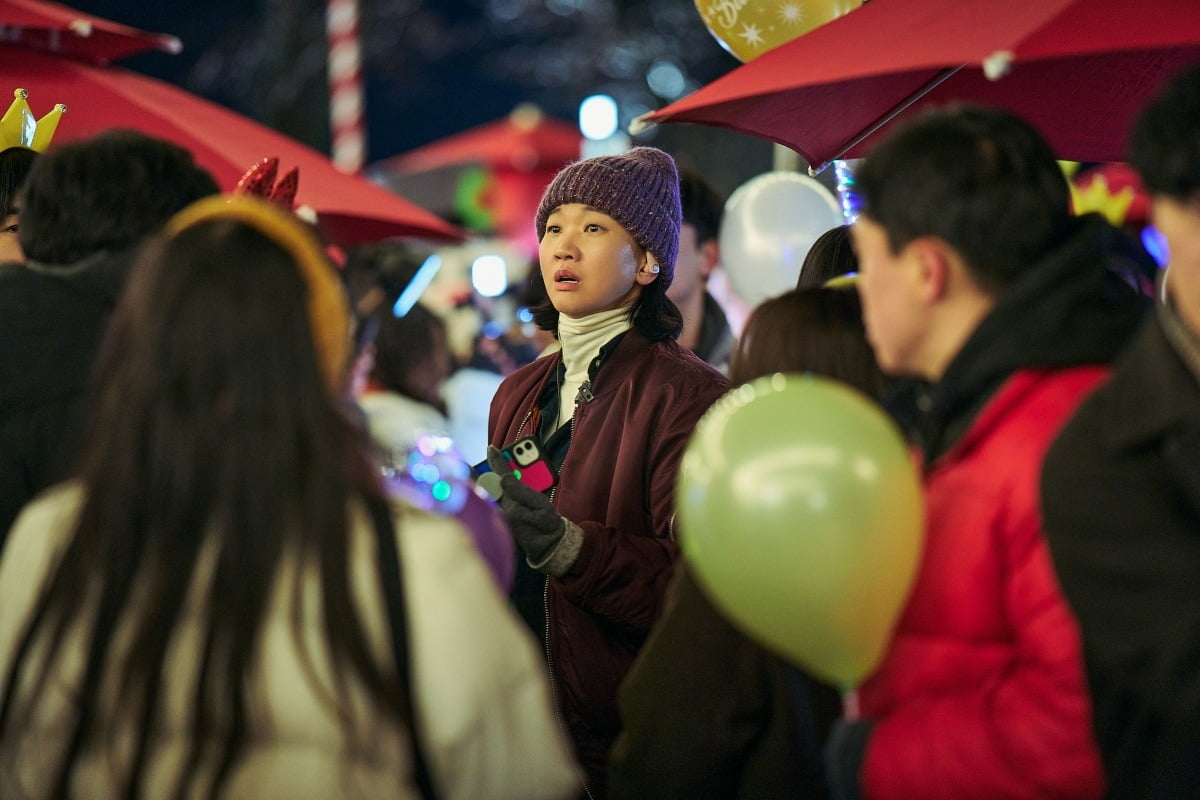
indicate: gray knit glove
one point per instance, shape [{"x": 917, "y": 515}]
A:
[{"x": 550, "y": 541}]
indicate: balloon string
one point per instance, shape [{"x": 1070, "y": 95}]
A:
[{"x": 850, "y": 708}]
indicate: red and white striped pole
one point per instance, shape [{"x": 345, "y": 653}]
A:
[{"x": 345, "y": 85}]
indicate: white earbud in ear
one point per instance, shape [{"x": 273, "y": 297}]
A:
[{"x": 654, "y": 268}]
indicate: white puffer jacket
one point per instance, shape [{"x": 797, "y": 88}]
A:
[{"x": 482, "y": 699}]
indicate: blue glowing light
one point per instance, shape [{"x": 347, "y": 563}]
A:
[
  {"x": 1156, "y": 245},
  {"x": 417, "y": 286}
]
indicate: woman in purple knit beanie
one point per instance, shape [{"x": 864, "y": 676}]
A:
[{"x": 609, "y": 414}]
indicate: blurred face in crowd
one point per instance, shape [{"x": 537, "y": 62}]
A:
[
  {"x": 892, "y": 309},
  {"x": 692, "y": 265},
  {"x": 1179, "y": 222},
  {"x": 10, "y": 248},
  {"x": 589, "y": 262}
]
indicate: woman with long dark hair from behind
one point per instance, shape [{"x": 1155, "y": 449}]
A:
[
  {"x": 830, "y": 256},
  {"x": 205, "y": 611},
  {"x": 705, "y": 710}
]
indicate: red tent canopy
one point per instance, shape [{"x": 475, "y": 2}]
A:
[
  {"x": 519, "y": 156},
  {"x": 526, "y": 141},
  {"x": 59, "y": 29}
]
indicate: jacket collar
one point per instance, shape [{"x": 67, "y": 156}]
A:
[
  {"x": 1157, "y": 394},
  {"x": 103, "y": 272},
  {"x": 616, "y": 356}
]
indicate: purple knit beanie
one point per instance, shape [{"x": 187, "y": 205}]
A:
[{"x": 639, "y": 189}]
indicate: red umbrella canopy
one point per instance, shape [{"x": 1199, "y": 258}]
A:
[
  {"x": 351, "y": 209},
  {"x": 1078, "y": 70},
  {"x": 525, "y": 141},
  {"x": 59, "y": 29},
  {"x": 511, "y": 161}
]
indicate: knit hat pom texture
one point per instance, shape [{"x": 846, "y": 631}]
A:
[{"x": 639, "y": 189}]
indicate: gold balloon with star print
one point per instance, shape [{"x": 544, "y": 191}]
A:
[{"x": 749, "y": 28}]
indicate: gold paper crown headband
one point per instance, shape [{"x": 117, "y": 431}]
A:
[
  {"x": 1098, "y": 197},
  {"x": 18, "y": 128}
]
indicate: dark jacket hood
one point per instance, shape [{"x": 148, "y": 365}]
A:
[{"x": 101, "y": 274}]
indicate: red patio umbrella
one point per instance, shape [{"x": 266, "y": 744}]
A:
[
  {"x": 59, "y": 29},
  {"x": 526, "y": 141},
  {"x": 1079, "y": 70},
  {"x": 351, "y": 209}
]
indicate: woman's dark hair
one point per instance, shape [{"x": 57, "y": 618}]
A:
[
  {"x": 655, "y": 315},
  {"x": 830, "y": 256},
  {"x": 15, "y": 163},
  {"x": 405, "y": 352},
  {"x": 817, "y": 330},
  {"x": 216, "y": 442}
]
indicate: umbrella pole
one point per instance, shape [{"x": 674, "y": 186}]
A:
[{"x": 891, "y": 114}]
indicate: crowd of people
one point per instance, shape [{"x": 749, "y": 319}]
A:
[{"x": 209, "y": 589}]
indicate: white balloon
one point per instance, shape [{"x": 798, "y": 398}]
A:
[{"x": 770, "y": 223}]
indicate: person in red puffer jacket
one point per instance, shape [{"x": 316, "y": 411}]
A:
[{"x": 979, "y": 284}]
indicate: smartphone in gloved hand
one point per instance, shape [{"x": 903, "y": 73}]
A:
[{"x": 528, "y": 463}]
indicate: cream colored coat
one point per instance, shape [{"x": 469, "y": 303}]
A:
[{"x": 482, "y": 699}]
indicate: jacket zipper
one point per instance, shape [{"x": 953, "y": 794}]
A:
[
  {"x": 524, "y": 422},
  {"x": 584, "y": 396}
]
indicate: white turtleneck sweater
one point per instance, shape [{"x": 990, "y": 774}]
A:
[{"x": 581, "y": 340}]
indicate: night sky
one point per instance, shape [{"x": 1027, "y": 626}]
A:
[{"x": 432, "y": 68}]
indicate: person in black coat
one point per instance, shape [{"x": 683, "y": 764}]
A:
[
  {"x": 1121, "y": 495},
  {"x": 86, "y": 206}
]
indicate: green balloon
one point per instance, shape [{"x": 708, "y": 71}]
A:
[{"x": 801, "y": 514}]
